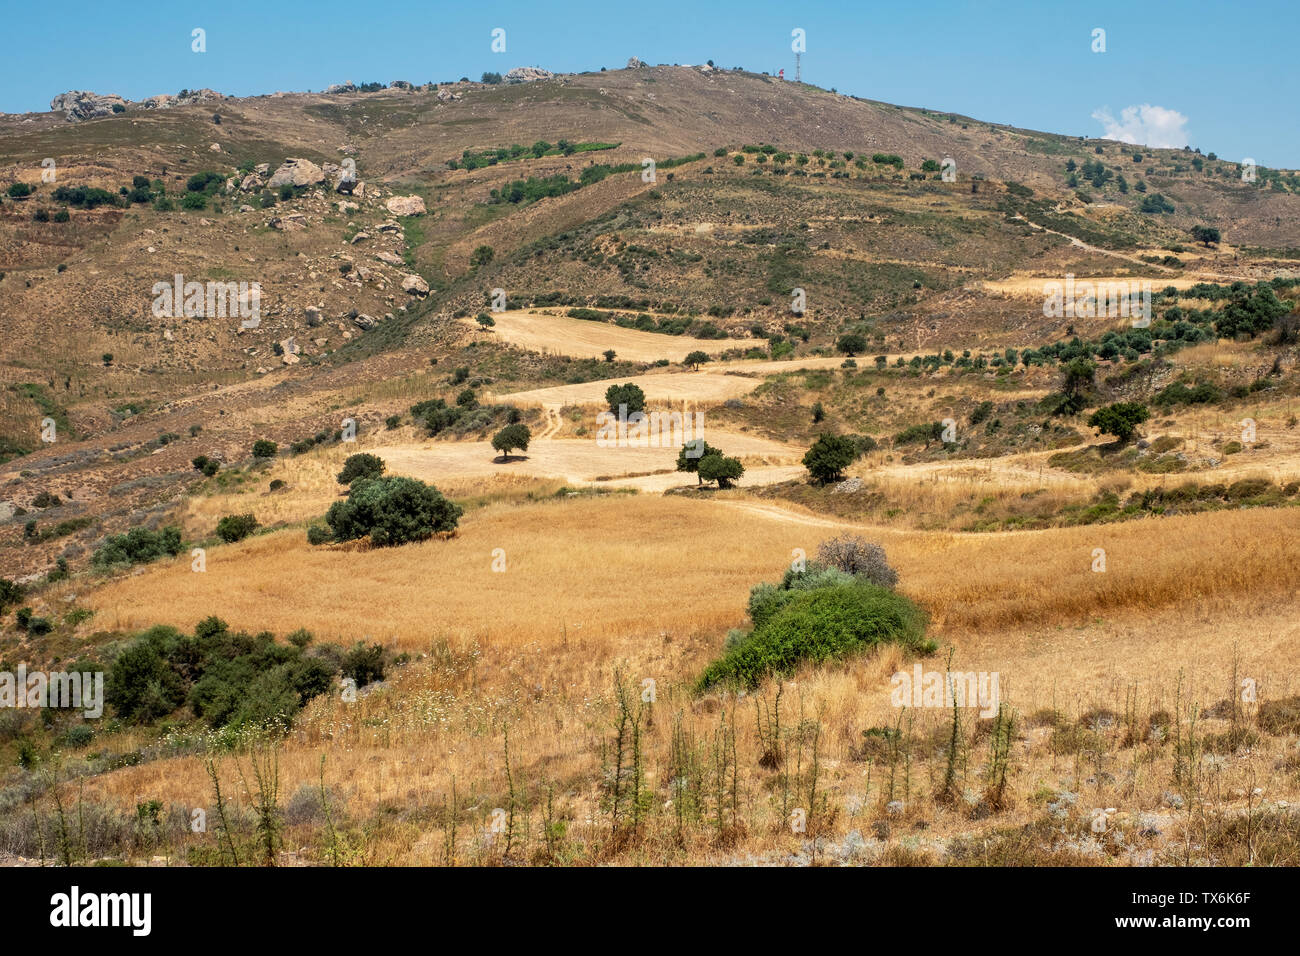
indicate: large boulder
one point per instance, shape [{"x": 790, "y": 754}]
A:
[
  {"x": 415, "y": 285},
  {"x": 406, "y": 206},
  {"x": 297, "y": 172},
  {"x": 77, "y": 105}
]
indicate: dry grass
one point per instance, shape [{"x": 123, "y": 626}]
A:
[{"x": 572, "y": 561}]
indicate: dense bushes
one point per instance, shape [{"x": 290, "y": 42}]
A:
[
  {"x": 137, "y": 546},
  {"x": 228, "y": 678},
  {"x": 841, "y": 604},
  {"x": 392, "y": 511},
  {"x": 464, "y": 417},
  {"x": 84, "y": 197}
]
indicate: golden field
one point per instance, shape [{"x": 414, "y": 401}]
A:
[{"x": 1184, "y": 605}]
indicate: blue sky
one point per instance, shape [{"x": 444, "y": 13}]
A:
[{"x": 1216, "y": 75}]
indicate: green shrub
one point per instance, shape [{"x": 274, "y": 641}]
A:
[
  {"x": 262, "y": 448},
  {"x": 11, "y": 592},
  {"x": 319, "y": 534},
  {"x": 392, "y": 511},
  {"x": 142, "y": 684},
  {"x": 361, "y": 465},
  {"x": 232, "y": 528},
  {"x": 818, "y": 625},
  {"x": 363, "y": 664}
]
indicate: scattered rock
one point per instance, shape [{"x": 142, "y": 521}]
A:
[
  {"x": 389, "y": 258},
  {"x": 415, "y": 285},
  {"x": 364, "y": 322},
  {"x": 635, "y": 64}
]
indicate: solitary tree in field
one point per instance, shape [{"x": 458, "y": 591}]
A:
[
  {"x": 692, "y": 453},
  {"x": 628, "y": 394},
  {"x": 1120, "y": 419},
  {"x": 721, "y": 469},
  {"x": 828, "y": 457},
  {"x": 696, "y": 359},
  {"x": 1206, "y": 235},
  {"x": 485, "y": 320},
  {"x": 511, "y": 437}
]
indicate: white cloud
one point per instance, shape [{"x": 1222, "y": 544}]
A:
[{"x": 1145, "y": 125}]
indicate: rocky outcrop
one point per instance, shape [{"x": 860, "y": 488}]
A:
[
  {"x": 296, "y": 172},
  {"x": 348, "y": 87},
  {"x": 527, "y": 74},
  {"x": 634, "y": 64},
  {"x": 78, "y": 105},
  {"x": 406, "y": 206},
  {"x": 184, "y": 98}
]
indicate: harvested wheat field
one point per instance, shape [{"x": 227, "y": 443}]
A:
[{"x": 583, "y": 338}]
